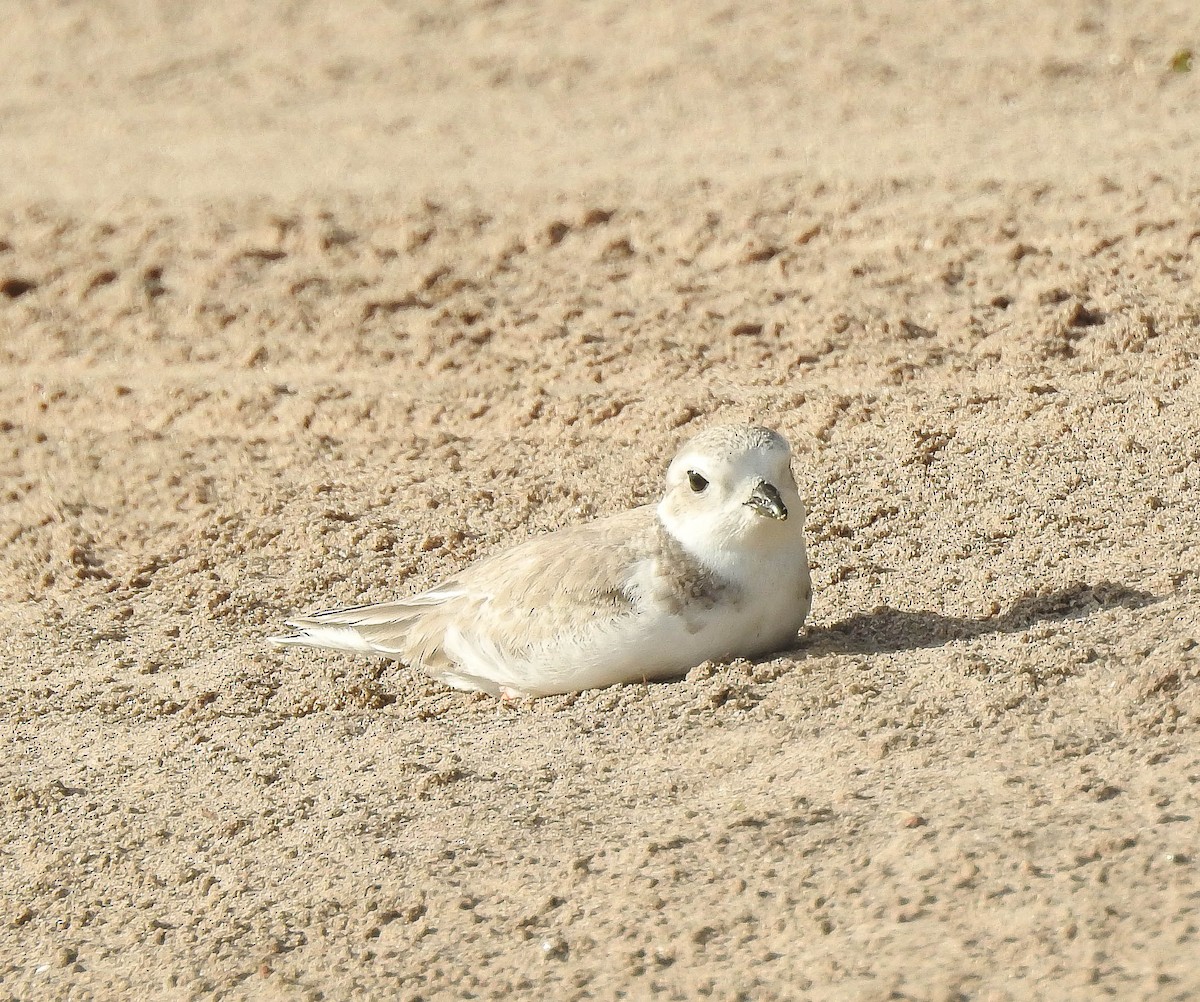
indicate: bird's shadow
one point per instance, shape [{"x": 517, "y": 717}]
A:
[{"x": 886, "y": 630}]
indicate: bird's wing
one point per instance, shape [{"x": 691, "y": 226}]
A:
[{"x": 516, "y": 602}]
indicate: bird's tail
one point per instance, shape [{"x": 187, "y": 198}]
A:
[
  {"x": 363, "y": 629},
  {"x": 331, "y": 638}
]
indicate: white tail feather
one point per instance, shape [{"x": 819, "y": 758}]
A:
[{"x": 331, "y": 638}]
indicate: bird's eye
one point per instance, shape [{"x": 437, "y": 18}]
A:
[{"x": 696, "y": 482}]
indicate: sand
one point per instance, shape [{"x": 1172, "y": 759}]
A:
[{"x": 300, "y": 308}]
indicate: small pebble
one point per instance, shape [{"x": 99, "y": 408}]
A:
[{"x": 555, "y": 948}]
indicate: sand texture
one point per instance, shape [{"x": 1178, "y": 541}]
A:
[{"x": 304, "y": 305}]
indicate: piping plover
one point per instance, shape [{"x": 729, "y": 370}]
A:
[{"x": 716, "y": 570}]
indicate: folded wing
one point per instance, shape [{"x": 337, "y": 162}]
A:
[{"x": 509, "y": 607}]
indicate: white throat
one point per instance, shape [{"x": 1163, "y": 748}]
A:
[{"x": 711, "y": 541}]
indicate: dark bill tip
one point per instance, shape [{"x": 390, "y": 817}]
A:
[{"x": 765, "y": 500}]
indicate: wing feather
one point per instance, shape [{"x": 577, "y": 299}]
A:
[{"x": 522, "y": 600}]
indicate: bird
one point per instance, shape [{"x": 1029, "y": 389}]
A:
[{"x": 716, "y": 570}]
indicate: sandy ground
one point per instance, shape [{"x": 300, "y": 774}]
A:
[{"x": 300, "y": 308}]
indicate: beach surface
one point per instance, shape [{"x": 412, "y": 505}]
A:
[{"x": 309, "y": 305}]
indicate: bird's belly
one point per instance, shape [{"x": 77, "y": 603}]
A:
[
  {"x": 649, "y": 644},
  {"x": 650, "y": 648}
]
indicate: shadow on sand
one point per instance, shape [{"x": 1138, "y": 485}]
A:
[{"x": 887, "y": 630}]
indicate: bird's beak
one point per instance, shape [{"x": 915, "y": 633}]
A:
[{"x": 765, "y": 500}]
